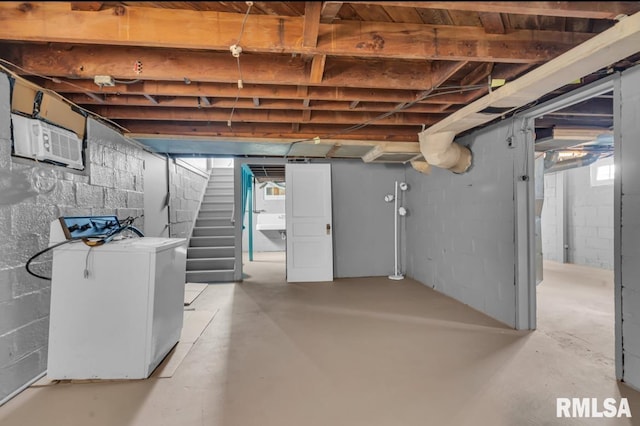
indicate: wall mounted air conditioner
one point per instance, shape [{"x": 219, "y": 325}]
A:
[{"x": 39, "y": 140}]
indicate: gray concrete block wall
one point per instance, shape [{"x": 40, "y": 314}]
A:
[
  {"x": 186, "y": 188},
  {"x": 589, "y": 219},
  {"x": 112, "y": 184},
  {"x": 460, "y": 230},
  {"x": 629, "y": 174},
  {"x": 552, "y": 217},
  {"x": 362, "y": 221}
]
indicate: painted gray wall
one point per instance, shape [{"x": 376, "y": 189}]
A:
[
  {"x": 264, "y": 240},
  {"x": 629, "y": 174},
  {"x": 112, "y": 184},
  {"x": 553, "y": 217},
  {"x": 186, "y": 185},
  {"x": 460, "y": 231},
  {"x": 589, "y": 219},
  {"x": 362, "y": 221}
]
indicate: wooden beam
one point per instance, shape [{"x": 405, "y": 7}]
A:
[
  {"x": 311, "y": 23},
  {"x": 492, "y": 22},
  {"x": 295, "y": 127},
  {"x": 443, "y": 71},
  {"x": 146, "y": 27},
  {"x": 224, "y": 90},
  {"x": 478, "y": 75},
  {"x": 317, "y": 69},
  {"x": 568, "y": 9},
  {"x": 98, "y": 99},
  {"x": 606, "y": 48},
  {"x": 257, "y": 116},
  {"x": 270, "y": 130},
  {"x": 88, "y": 61},
  {"x": 245, "y": 103},
  {"x": 306, "y": 102},
  {"x": 329, "y": 11},
  {"x": 151, "y": 99},
  {"x": 302, "y": 91},
  {"x": 86, "y": 6}
]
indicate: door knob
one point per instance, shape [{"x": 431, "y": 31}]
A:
[{"x": 328, "y": 229}]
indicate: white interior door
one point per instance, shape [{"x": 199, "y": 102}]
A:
[{"x": 308, "y": 222}]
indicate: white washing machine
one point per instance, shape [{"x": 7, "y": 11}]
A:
[{"x": 116, "y": 309}]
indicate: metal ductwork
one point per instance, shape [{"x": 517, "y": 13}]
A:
[
  {"x": 552, "y": 162},
  {"x": 615, "y": 44},
  {"x": 439, "y": 150}
]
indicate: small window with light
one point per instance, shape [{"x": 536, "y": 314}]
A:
[{"x": 602, "y": 172}]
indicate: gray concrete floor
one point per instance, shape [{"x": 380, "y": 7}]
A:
[{"x": 366, "y": 351}]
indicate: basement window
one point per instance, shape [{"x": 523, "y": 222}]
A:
[{"x": 602, "y": 172}]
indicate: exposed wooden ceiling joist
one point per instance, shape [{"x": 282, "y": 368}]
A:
[
  {"x": 244, "y": 103},
  {"x": 311, "y": 23},
  {"x": 89, "y": 61},
  {"x": 606, "y": 48},
  {"x": 575, "y": 9},
  {"x": 273, "y": 116},
  {"x": 225, "y": 90},
  {"x": 271, "y": 131},
  {"x": 308, "y": 69},
  {"x": 147, "y": 27}
]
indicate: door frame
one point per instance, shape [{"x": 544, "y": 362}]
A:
[
  {"x": 525, "y": 205},
  {"x": 237, "y": 200}
]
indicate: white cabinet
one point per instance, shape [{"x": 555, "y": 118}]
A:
[{"x": 116, "y": 309}]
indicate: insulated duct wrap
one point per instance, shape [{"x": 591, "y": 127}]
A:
[
  {"x": 421, "y": 166},
  {"x": 439, "y": 150}
]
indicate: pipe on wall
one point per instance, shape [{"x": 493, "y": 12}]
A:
[{"x": 439, "y": 150}]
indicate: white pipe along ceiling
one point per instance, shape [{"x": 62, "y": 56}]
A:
[{"x": 436, "y": 142}]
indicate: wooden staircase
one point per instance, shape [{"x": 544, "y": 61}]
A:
[{"x": 211, "y": 251}]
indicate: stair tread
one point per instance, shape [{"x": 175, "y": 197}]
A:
[
  {"x": 213, "y": 258},
  {"x": 207, "y": 248}
]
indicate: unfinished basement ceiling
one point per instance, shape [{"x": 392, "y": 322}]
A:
[{"x": 339, "y": 79}]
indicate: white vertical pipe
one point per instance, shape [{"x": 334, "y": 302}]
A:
[{"x": 395, "y": 231}]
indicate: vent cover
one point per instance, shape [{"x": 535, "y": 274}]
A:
[{"x": 39, "y": 140}]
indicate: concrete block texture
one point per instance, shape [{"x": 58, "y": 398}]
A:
[
  {"x": 16, "y": 375},
  {"x": 589, "y": 219},
  {"x": 24, "y": 225},
  {"x": 460, "y": 230}
]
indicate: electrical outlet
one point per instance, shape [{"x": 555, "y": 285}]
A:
[{"x": 104, "y": 80}]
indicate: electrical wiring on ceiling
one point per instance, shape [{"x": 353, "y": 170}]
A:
[
  {"x": 430, "y": 93},
  {"x": 236, "y": 50}
]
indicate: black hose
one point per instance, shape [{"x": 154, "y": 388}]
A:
[
  {"x": 41, "y": 252},
  {"x": 128, "y": 225}
]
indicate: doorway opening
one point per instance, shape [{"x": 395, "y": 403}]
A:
[
  {"x": 264, "y": 226},
  {"x": 574, "y": 199}
]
